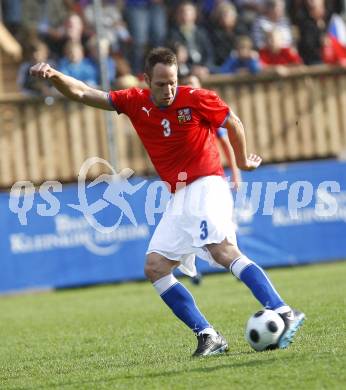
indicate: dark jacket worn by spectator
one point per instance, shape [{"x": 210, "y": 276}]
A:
[
  {"x": 224, "y": 30},
  {"x": 312, "y": 23},
  {"x": 193, "y": 37}
]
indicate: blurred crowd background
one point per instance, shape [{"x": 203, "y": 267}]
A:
[{"x": 209, "y": 37}]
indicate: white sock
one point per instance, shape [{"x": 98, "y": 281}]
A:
[
  {"x": 211, "y": 331},
  {"x": 239, "y": 264},
  {"x": 165, "y": 283},
  {"x": 282, "y": 309}
]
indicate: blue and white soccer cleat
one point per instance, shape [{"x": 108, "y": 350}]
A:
[{"x": 293, "y": 321}]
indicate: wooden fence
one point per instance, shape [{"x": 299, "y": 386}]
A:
[{"x": 301, "y": 115}]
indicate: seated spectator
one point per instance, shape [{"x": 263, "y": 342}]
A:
[
  {"x": 273, "y": 17},
  {"x": 243, "y": 59},
  {"x": 274, "y": 53},
  {"x": 36, "y": 51},
  {"x": 195, "y": 38},
  {"x": 75, "y": 64},
  {"x": 312, "y": 22},
  {"x": 224, "y": 29}
]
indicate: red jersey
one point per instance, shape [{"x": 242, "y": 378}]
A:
[
  {"x": 178, "y": 138},
  {"x": 286, "y": 56}
]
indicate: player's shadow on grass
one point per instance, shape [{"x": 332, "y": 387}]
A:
[{"x": 252, "y": 363}]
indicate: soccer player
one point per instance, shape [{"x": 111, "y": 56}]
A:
[{"x": 174, "y": 123}]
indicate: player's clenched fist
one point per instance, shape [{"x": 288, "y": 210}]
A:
[{"x": 42, "y": 70}]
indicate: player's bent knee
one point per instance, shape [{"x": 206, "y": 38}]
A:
[
  {"x": 149, "y": 268},
  {"x": 156, "y": 267},
  {"x": 224, "y": 253}
]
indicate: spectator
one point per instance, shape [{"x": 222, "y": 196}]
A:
[
  {"x": 272, "y": 17},
  {"x": 190, "y": 80},
  {"x": 114, "y": 27},
  {"x": 93, "y": 55},
  {"x": 43, "y": 14},
  {"x": 248, "y": 11},
  {"x": 12, "y": 14},
  {"x": 195, "y": 38},
  {"x": 184, "y": 67},
  {"x": 73, "y": 28},
  {"x": 147, "y": 23},
  {"x": 207, "y": 7},
  {"x": 243, "y": 59},
  {"x": 47, "y": 17},
  {"x": 224, "y": 30},
  {"x": 312, "y": 23},
  {"x": 76, "y": 65},
  {"x": 295, "y": 7},
  {"x": 125, "y": 78},
  {"x": 274, "y": 53},
  {"x": 36, "y": 51}
]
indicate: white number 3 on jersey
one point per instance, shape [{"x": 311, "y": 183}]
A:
[{"x": 166, "y": 127}]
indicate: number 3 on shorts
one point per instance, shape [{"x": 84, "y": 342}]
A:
[{"x": 204, "y": 230}]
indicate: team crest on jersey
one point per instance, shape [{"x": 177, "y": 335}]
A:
[{"x": 184, "y": 115}]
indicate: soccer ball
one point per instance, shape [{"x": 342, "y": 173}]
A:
[{"x": 264, "y": 329}]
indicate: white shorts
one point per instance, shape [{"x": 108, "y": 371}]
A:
[{"x": 197, "y": 215}]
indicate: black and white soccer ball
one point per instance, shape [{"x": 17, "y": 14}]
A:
[{"x": 263, "y": 330}]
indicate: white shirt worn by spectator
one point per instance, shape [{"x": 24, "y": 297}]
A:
[{"x": 263, "y": 24}]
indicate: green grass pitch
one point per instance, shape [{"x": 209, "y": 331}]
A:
[{"x": 123, "y": 337}]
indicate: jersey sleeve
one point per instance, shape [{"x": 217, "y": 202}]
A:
[
  {"x": 124, "y": 101},
  {"x": 213, "y": 109},
  {"x": 221, "y": 132}
]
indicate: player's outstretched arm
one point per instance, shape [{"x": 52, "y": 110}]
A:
[
  {"x": 236, "y": 136},
  {"x": 72, "y": 88}
]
